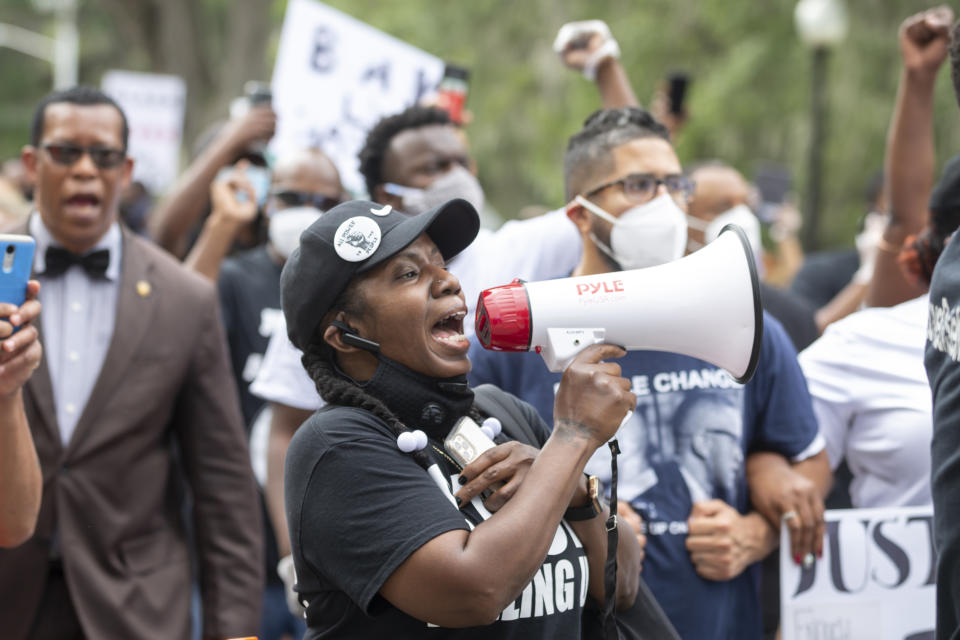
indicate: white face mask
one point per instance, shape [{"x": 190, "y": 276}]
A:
[
  {"x": 286, "y": 225},
  {"x": 456, "y": 183},
  {"x": 740, "y": 215},
  {"x": 644, "y": 236}
]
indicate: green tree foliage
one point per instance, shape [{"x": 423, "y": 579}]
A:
[{"x": 749, "y": 102}]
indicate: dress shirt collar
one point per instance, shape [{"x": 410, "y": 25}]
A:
[{"x": 111, "y": 240}]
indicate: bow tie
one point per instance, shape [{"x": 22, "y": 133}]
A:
[{"x": 59, "y": 260}]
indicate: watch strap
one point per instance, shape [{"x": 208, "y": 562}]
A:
[{"x": 590, "y": 510}]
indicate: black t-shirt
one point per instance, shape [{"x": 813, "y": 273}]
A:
[
  {"x": 250, "y": 304},
  {"x": 358, "y": 507},
  {"x": 824, "y": 274},
  {"x": 793, "y": 312},
  {"x": 250, "y": 300},
  {"x": 942, "y": 361}
]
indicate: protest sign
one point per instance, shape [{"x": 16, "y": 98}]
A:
[
  {"x": 335, "y": 77},
  {"x": 875, "y": 580},
  {"x": 154, "y": 105}
]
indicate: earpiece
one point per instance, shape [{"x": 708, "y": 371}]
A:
[{"x": 351, "y": 338}]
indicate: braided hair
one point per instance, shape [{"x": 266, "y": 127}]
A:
[{"x": 319, "y": 360}]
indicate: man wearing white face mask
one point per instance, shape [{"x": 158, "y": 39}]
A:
[
  {"x": 719, "y": 198},
  {"x": 305, "y": 183},
  {"x": 627, "y": 197},
  {"x": 647, "y": 234}
]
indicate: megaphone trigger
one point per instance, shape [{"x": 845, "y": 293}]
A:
[{"x": 563, "y": 345}]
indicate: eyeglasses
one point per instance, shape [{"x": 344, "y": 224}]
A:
[
  {"x": 641, "y": 187},
  {"x": 66, "y": 154},
  {"x": 304, "y": 198}
]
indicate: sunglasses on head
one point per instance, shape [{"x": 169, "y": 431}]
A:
[
  {"x": 304, "y": 198},
  {"x": 66, "y": 154}
]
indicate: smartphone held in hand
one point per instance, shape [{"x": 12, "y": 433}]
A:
[
  {"x": 466, "y": 442},
  {"x": 452, "y": 92},
  {"x": 15, "y": 269}
]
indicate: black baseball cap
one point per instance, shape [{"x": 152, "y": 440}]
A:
[{"x": 352, "y": 238}]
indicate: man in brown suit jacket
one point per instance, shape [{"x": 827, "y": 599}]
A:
[{"x": 135, "y": 388}]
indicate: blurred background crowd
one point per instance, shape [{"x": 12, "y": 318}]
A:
[
  {"x": 750, "y": 99},
  {"x": 800, "y": 121}
]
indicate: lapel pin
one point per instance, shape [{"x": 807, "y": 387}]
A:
[{"x": 143, "y": 288}]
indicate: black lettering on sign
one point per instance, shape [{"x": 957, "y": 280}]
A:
[
  {"x": 894, "y": 552},
  {"x": 322, "y": 59},
  {"x": 928, "y": 520},
  {"x": 380, "y": 72},
  {"x": 807, "y": 577},
  {"x": 421, "y": 86},
  {"x": 323, "y": 139},
  {"x": 833, "y": 532}
]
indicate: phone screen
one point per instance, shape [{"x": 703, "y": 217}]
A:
[
  {"x": 259, "y": 178},
  {"x": 258, "y": 93},
  {"x": 677, "y": 91},
  {"x": 452, "y": 91},
  {"x": 773, "y": 183},
  {"x": 16, "y": 265}
]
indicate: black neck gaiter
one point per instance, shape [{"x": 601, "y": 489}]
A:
[{"x": 420, "y": 402}]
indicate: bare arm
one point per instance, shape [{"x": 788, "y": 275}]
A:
[
  {"x": 578, "y": 42},
  {"x": 21, "y": 483},
  {"x": 183, "y": 207},
  {"x": 778, "y": 487},
  {"x": 451, "y": 580},
  {"x": 723, "y": 543},
  {"x": 230, "y": 214},
  {"x": 841, "y": 305},
  {"x": 284, "y": 422},
  {"x": 593, "y": 535},
  {"x": 506, "y": 466},
  {"x": 614, "y": 85},
  {"x": 909, "y": 162}
]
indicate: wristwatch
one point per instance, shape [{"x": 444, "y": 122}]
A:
[{"x": 593, "y": 507}]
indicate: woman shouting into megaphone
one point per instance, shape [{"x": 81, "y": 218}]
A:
[{"x": 384, "y": 545}]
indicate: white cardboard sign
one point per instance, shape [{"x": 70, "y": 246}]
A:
[
  {"x": 874, "y": 582},
  {"x": 154, "y": 105},
  {"x": 335, "y": 77}
]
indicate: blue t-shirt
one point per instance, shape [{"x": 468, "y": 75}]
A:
[{"x": 686, "y": 442}]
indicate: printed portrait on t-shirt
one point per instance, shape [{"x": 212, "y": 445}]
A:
[{"x": 687, "y": 426}]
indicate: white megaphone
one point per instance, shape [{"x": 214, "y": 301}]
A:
[{"x": 706, "y": 305}]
